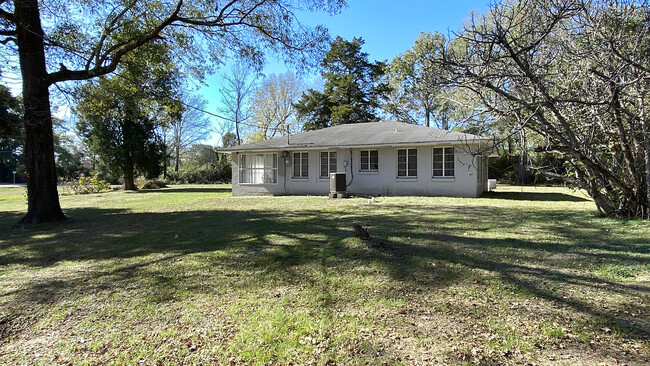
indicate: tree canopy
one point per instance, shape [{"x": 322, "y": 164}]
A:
[
  {"x": 236, "y": 97},
  {"x": 55, "y": 42},
  {"x": 189, "y": 128},
  {"x": 10, "y": 122},
  {"x": 119, "y": 115},
  {"x": 353, "y": 90},
  {"x": 273, "y": 109},
  {"x": 12, "y": 136},
  {"x": 574, "y": 75},
  {"x": 416, "y": 79},
  {"x": 201, "y": 155}
]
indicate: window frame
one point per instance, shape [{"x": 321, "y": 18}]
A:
[
  {"x": 368, "y": 168},
  {"x": 445, "y": 161},
  {"x": 406, "y": 167},
  {"x": 303, "y": 158},
  {"x": 274, "y": 168},
  {"x": 329, "y": 163}
]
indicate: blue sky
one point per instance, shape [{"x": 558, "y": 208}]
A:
[{"x": 388, "y": 27}]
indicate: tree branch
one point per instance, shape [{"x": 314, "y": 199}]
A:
[
  {"x": 591, "y": 164},
  {"x": 98, "y": 70},
  {"x": 4, "y": 41},
  {"x": 107, "y": 29},
  {"x": 7, "y": 16}
]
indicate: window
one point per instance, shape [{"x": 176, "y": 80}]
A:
[
  {"x": 327, "y": 163},
  {"x": 443, "y": 162},
  {"x": 258, "y": 168},
  {"x": 300, "y": 165},
  {"x": 369, "y": 161},
  {"x": 407, "y": 163}
]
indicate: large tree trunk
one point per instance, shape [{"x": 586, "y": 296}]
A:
[
  {"x": 237, "y": 130},
  {"x": 129, "y": 182},
  {"x": 445, "y": 123},
  {"x": 427, "y": 117},
  {"x": 165, "y": 162},
  {"x": 43, "y": 198},
  {"x": 522, "y": 178},
  {"x": 646, "y": 147},
  {"x": 177, "y": 151},
  {"x": 178, "y": 157},
  {"x": 165, "y": 156}
]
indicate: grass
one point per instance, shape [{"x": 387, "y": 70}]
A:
[{"x": 191, "y": 275}]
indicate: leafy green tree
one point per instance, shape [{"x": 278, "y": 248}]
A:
[
  {"x": 69, "y": 158},
  {"x": 229, "y": 139},
  {"x": 353, "y": 89},
  {"x": 200, "y": 155},
  {"x": 201, "y": 165},
  {"x": 119, "y": 116},
  {"x": 120, "y": 133},
  {"x": 55, "y": 42},
  {"x": 12, "y": 137},
  {"x": 417, "y": 82},
  {"x": 10, "y": 122},
  {"x": 68, "y": 154}
]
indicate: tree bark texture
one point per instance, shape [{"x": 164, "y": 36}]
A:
[
  {"x": 588, "y": 114},
  {"x": 522, "y": 178},
  {"x": 646, "y": 145},
  {"x": 129, "y": 182},
  {"x": 110, "y": 39},
  {"x": 177, "y": 150},
  {"x": 165, "y": 160},
  {"x": 178, "y": 157},
  {"x": 43, "y": 198},
  {"x": 427, "y": 116}
]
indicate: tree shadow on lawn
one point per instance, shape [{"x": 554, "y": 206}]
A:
[
  {"x": 414, "y": 247},
  {"x": 206, "y": 189},
  {"x": 534, "y": 196}
]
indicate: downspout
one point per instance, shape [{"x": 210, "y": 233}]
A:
[
  {"x": 351, "y": 171},
  {"x": 285, "y": 162}
]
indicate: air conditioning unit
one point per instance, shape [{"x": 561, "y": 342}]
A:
[{"x": 338, "y": 186}]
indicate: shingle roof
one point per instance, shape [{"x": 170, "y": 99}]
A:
[{"x": 358, "y": 135}]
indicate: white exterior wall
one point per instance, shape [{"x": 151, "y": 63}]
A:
[
  {"x": 465, "y": 182},
  {"x": 482, "y": 171}
]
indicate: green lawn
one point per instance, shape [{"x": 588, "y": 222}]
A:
[{"x": 191, "y": 275}]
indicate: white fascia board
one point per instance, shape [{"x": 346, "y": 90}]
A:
[{"x": 298, "y": 147}]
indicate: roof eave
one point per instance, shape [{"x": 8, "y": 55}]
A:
[{"x": 355, "y": 146}]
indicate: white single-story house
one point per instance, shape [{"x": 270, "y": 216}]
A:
[{"x": 379, "y": 158}]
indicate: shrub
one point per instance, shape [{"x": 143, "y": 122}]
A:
[
  {"x": 153, "y": 184},
  {"x": 86, "y": 184},
  {"x": 200, "y": 175}
]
